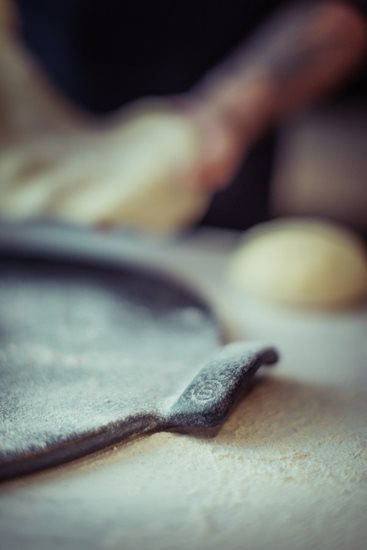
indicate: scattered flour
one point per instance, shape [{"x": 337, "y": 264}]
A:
[{"x": 288, "y": 469}]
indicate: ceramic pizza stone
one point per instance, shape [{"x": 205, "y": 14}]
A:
[{"x": 94, "y": 352}]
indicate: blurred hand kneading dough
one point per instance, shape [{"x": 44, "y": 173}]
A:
[
  {"x": 155, "y": 164},
  {"x": 57, "y": 162},
  {"x": 129, "y": 173}
]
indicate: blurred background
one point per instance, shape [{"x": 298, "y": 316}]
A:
[{"x": 103, "y": 56}]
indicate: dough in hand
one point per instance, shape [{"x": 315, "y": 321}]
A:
[
  {"x": 130, "y": 174},
  {"x": 304, "y": 263},
  {"x": 147, "y": 193}
]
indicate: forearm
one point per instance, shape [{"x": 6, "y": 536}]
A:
[
  {"x": 29, "y": 104},
  {"x": 295, "y": 58}
]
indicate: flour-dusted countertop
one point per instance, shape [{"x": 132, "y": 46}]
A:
[{"x": 288, "y": 470}]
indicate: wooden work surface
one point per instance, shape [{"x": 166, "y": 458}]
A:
[{"x": 287, "y": 470}]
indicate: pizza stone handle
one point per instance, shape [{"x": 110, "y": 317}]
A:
[{"x": 207, "y": 400}]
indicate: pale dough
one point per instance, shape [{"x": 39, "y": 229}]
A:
[
  {"x": 131, "y": 174},
  {"x": 302, "y": 263}
]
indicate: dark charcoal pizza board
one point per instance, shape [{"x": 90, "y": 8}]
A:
[{"x": 93, "y": 352}]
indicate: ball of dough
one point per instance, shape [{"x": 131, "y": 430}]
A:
[
  {"x": 130, "y": 175},
  {"x": 302, "y": 263}
]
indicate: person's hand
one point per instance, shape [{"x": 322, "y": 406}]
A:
[
  {"x": 222, "y": 148},
  {"x": 228, "y": 120},
  {"x": 58, "y": 163}
]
